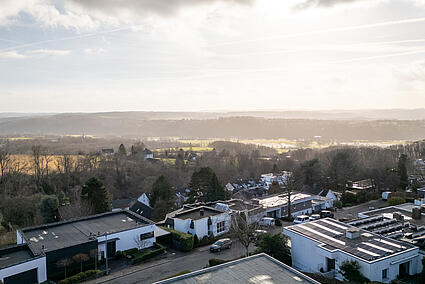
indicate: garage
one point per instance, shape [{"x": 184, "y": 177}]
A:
[{"x": 29, "y": 276}]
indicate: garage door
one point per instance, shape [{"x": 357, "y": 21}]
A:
[{"x": 29, "y": 276}]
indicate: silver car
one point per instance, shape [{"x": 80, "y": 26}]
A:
[{"x": 221, "y": 244}]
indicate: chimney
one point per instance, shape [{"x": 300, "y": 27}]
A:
[
  {"x": 352, "y": 233},
  {"x": 416, "y": 213},
  {"x": 201, "y": 212},
  {"x": 398, "y": 216}
]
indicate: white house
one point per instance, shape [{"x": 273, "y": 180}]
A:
[
  {"x": 147, "y": 154},
  {"x": 200, "y": 221},
  {"x": 322, "y": 246},
  {"x": 19, "y": 265}
]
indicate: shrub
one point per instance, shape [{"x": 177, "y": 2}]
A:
[
  {"x": 396, "y": 201},
  {"x": 350, "y": 270},
  {"x": 130, "y": 251},
  {"x": 79, "y": 277},
  {"x": 348, "y": 198},
  {"x": 195, "y": 241},
  {"x": 338, "y": 204},
  {"x": 278, "y": 223},
  {"x": 216, "y": 261},
  {"x": 119, "y": 254},
  {"x": 147, "y": 253},
  {"x": 178, "y": 274},
  {"x": 181, "y": 241}
]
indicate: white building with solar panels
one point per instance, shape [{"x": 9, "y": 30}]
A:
[{"x": 323, "y": 245}]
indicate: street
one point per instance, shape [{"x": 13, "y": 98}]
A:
[{"x": 174, "y": 263}]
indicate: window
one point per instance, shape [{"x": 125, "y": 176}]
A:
[
  {"x": 221, "y": 226},
  {"x": 385, "y": 274},
  {"x": 146, "y": 236}
]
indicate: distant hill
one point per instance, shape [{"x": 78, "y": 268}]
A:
[{"x": 145, "y": 124}]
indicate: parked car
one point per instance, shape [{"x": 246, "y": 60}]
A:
[
  {"x": 314, "y": 217},
  {"x": 326, "y": 214},
  {"x": 259, "y": 233},
  {"x": 301, "y": 219},
  {"x": 266, "y": 221},
  {"x": 221, "y": 244}
]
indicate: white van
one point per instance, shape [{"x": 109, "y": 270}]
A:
[
  {"x": 266, "y": 221},
  {"x": 301, "y": 219}
]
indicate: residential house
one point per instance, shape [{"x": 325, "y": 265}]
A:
[
  {"x": 366, "y": 184},
  {"x": 323, "y": 245},
  {"x": 107, "y": 152},
  {"x": 102, "y": 234},
  {"x": 18, "y": 264},
  {"x": 142, "y": 206},
  {"x": 276, "y": 206},
  {"x": 200, "y": 221},
  {"x": 147, "y": 154},
  {"x": 259, "y": 268}
]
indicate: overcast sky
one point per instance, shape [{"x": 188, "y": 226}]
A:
[{"x": 197, "y": 55}]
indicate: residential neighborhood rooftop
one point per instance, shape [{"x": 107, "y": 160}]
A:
[
  {"x": 332, "y": 236},
  {"x": 14, "y": 254},
  {"x": 77, "y": 231},
  {"x": 198, "y": 213},
  {"x": 281, "y": 199},
  {"x": 259, "y": 268}
]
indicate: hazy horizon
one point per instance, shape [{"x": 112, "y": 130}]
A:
[{"x": 211, "y": 55}]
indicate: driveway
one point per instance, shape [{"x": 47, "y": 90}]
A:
[
  {"x": 351, "y": 212},
  {"x": 174, "y": 263}
]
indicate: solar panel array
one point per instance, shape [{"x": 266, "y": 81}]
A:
[{"x": 332, "y": 234}]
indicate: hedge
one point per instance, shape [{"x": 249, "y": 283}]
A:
[
  {"x": 147, "y": 253},
  {"x": 216, "y": 261},
  {"x": 130, "y": 251},
  {"x": 181, "y": 241},
  {"x": 79, "y": 277}
]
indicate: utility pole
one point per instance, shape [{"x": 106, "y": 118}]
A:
[{"x": 106, "y": 252}]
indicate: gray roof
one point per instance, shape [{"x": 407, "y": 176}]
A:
[
  {"x": 73, "y": 232},
  {"x": 259, "y": 268},
  {"x": 13, "y": 255},
  {"x": 195, "y": 213},
  {"x": 332, "y": 235}
]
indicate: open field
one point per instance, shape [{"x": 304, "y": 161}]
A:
[{"x": 26, "y": 161}]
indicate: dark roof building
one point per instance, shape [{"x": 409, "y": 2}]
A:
[
  {"x": 18, "y": 264},
  {"x": 141, "y": 209},
  {"x": 259, "y": 268},
  {"x": 84, "y": 235}
]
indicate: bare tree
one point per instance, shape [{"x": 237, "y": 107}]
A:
[
  {"x": 94, "y": 253},
  {"x": 81, "y": 258},
  {"x": 4, "y": 163},
  {"x": 141, "y": 244},
  {"x": 65, "y": 262},
  {"x": 242, "y": 230},
  {"x": 290, "y": 184}
]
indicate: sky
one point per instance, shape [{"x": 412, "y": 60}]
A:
[{"x": 211, "y": 55}]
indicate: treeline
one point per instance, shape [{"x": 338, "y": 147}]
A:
[{"x": 227, "y": 127}]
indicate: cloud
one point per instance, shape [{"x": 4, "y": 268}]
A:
[
  {"x": 324, "y": 3},
  {"x": 12, "y": 55},
  {"x": 159, "y": 7},
  {"x": 50, "y": 52},
  {"x": 94, "y": 50},
  {"x": 92, "y": 14}
]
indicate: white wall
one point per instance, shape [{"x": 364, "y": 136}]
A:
[
  {"x": 308, "y": 256},
  {"x": 39, "y": 263},
  {"x": 127, "y": 239},
  {"x": 200, "y": 227}
]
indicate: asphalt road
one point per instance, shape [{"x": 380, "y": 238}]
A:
[{"x": 171, "y": 265}]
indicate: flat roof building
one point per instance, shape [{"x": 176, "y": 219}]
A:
[
  {"x": 103, "y": 234},
  {"x": 259, "y": 268},
  {"x": 322, "y": 246},
  {"x": 18, "y": 264}
]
